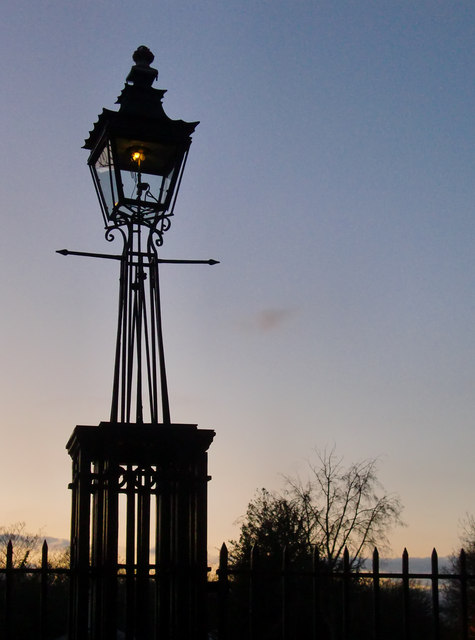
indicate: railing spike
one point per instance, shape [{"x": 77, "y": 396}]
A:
[
  {"x": 346, "y": 560},
  {"x": 285, "y": 557},
  {"x": 44, "y": 555},
  {"x": 223, "y": 553},
  {"x": 316, "y": 554},
  {"x": 254, "y": 555},
  {"x": 376, "y": 560},
  {"x": 9, "y": 554}
]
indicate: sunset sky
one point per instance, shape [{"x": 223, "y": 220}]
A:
[{"x": 332, "y": 174}]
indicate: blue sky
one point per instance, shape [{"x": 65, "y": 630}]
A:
[{"x": 332, "y": 175}]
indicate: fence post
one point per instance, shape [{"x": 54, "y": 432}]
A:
[
  {"x": 285, "y": 593},
  {"x": 464, "y": 594},
  {"x": 254, "y": 594},
  {"x": 435, "y": 594},
  {"x": 44, "y": 592},
  {"x": 405, "y": 595},
  {"x": 346, "y": 595},
  {"x": 376, "y": 596},
  {"x": 223, "y": 588},
  {"x": 9, "y": 591},
  {"x": 317, "y": 614}
]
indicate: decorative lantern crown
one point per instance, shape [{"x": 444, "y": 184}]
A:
[{"x": 138, "y": 153}]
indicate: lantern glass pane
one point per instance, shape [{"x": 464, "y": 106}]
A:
[
  {"x": 104, "y": 170},
  {"x": 154, "y": 193}
]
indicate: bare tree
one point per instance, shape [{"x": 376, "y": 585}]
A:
[
  {"x": 25, "y": 545},
  {"x": 463, "y": 560},
  {"x": 337, "y": 507},
  {"x": 344, "y": 507}
]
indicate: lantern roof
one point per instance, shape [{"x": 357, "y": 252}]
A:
[{"x": 141, "y": 113}]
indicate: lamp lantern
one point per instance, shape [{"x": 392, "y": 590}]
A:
[{"x": 138, "y": 153}]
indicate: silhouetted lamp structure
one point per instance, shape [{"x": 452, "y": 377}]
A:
[{"x": 139, "y": 481}]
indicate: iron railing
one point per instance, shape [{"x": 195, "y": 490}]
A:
[
  {"x": 33, "y": 599},
  {"x": 276, "y": 598}
]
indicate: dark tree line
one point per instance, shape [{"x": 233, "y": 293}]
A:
[
  {"x": 22, "y": 590},
  {"x": 284, "y": 536},
  {"x": 336, "y": 508}
]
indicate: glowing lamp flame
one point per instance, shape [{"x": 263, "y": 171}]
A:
[{"x": 137, "y": 156}]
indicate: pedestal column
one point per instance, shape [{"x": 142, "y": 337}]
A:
[{"x": 139, "y": 531}]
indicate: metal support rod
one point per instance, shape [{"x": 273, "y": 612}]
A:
[
  {"x": 161, "y": 351},
  {"x": 139, "y": 356},
  {"x": 111, "y": 256}
]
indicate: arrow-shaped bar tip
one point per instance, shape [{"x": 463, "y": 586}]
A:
[
  {"x": 211, "y": 262},
  {"x": 63, "y": 252}
]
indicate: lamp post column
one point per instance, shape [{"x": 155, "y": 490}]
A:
[{"x": 139, "y": 488}]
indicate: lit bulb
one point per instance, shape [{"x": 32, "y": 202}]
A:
[{"x": 138, "y": 157}]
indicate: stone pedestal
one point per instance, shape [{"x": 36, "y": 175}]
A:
[{"x": 139, "y": 531}]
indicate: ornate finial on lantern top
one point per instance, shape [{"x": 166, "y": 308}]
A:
[
  {"x": 142, "y": 74},
  {"x": 143, "y": 55}
]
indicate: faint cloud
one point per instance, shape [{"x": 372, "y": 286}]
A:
[
  {"x": 268, "y": 319},
  {"x": 57, "y": 544}
]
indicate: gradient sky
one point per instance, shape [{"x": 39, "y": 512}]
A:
[{"x": 332, "y": 175}]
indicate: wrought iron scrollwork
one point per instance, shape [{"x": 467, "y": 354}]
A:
[
  {"x": 133, "y": 478},
  {"x": 110, "y": 234}
]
